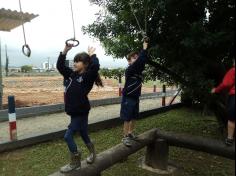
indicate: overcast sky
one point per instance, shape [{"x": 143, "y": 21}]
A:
[{"x": 47, "y": 33}]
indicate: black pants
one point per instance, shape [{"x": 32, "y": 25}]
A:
[{"x": 231, "y": 108}]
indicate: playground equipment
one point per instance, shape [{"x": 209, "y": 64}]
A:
[
  {"x": 73, "y": 40},
  {"x": 157, "y": 155},
  {"x": 8, "y": 21},
  {"x": 25, "y": 48},
  {"x": 143, "y": 32}
]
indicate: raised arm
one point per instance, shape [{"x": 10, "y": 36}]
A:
[
  {"x": 142, "y": 59},
  {"x": 94, "y": 67},
  {"x": 61, "y": 63}
]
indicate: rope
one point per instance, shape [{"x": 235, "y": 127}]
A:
[
  {"x": 72, "y": 15},
  {"x": 138, "y": 23},
  {"x": 73, "y": 40},
  {"x": 22, "y": 23}
]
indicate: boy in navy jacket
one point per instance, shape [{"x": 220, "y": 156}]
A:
[{"x": 132, "y": 91}]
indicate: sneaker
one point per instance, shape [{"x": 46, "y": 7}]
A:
[
  {"x": 126, "y": 141},
  {"x": 92, "y": 157},
  {"x": 229, "y": 142},
  {"x": 74, "y": 164},
  {"x": 132, "y": 136}
]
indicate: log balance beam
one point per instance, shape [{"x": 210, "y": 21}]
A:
[{"x": 157, "y": 143}]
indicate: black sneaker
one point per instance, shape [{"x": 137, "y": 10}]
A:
[
  {"x": 229, "y": 142},
  {"x": 132, "y": 136}
]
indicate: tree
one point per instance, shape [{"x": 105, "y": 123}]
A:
[
  {"x": 26, "y": 68},
  {"x": 188, "y": 48},
  {"x": 112, "y": 73},
  {"x": 7, "y": 66},
  {"x": 7, "y": 62}
]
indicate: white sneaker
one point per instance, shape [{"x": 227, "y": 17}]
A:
[
  {"x": 74, "y": 164},
  {"x": 92, "y": 157},
  {"x": 126, "y": 141}
]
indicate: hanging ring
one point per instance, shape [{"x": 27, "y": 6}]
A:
[
  {"x": 26, "y": 50},
  {"x": 72, "y": 42}
]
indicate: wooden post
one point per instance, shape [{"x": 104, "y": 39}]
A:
[
  {"x": 155, "y": 86},
  {"x": 157, "y": 155},
  {"x": 175, "y": 96},
  {"x": 164, "y": 96}
]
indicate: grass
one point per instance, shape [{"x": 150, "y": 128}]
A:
[{"x": 44, "y": 159}]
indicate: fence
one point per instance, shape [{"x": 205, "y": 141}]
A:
[{"x": 48, "y": 90}]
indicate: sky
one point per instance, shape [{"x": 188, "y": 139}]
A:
[{"x": 47, "y": 33}]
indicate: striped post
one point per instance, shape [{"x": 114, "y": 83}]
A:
[
  {"x": 120, "y": 85},
  {"x": 12, "y": 118},
  {"x": 164, "y": 96}
]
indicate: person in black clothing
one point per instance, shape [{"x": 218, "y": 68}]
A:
[
  {"x": 132, "y": 92},
  {"x": 78, "y": 84}
]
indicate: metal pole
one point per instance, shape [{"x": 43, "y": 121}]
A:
[
  {"x": 1, "y": 82},
  {"x": 7, "y": 62}
]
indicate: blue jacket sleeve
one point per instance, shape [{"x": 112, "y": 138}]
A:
[
  {"x": 93, "y": 69},
  {"x": 139, "y": 64},
  {"x": 62, "y": 68}
]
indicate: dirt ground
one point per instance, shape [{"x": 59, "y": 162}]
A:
[{"x": 31, "y": 91}]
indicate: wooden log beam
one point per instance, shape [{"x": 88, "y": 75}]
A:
[
  {"x": 112, "y": 156},
  {"x": 202, "y": 144}
]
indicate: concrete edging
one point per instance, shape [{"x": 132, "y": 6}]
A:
[
  {"x": 50, "y": 109},
  {"x": 94, "y": 127}
]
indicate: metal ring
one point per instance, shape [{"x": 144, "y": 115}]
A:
[
  {"x": 73, "y": 41},
  {"x": 26, "y": 50}
]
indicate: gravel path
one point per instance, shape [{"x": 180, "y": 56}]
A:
[{"x": 54, "y": 122}]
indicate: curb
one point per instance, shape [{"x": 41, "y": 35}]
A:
[{"x": 94, "y": 127}]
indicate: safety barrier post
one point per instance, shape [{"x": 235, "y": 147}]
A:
[
  {"x": 120, "y": 85},
  {"x": 12, "y": 118},
  {"x": 164, "y": 95}
]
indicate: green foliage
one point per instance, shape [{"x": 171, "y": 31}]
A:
[
  {"x": 187, "y": 47},
  {"x": 112, "y": 73},
  {"x": 26, "y": 69}
]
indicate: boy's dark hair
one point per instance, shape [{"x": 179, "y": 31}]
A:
[
  {"x": 132, "y": 54},
  {"x": 87, "y": 60}
]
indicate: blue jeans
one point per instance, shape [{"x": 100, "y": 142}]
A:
[{"x": 78, "y": 124}]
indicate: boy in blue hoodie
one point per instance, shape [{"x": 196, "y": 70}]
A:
[{"x": 132, "y": 91}]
